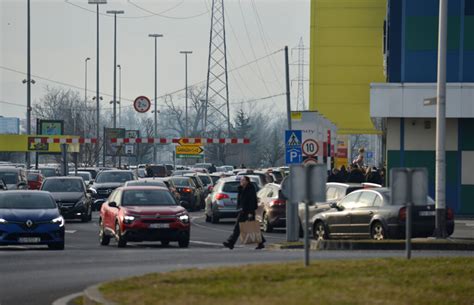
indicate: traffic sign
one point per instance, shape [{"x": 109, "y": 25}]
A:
[
  {"x": 294, "y": 155},
  {"x": 293, "y": 138},
  {"x": 188, "y": 150},
  {"x": 188, "y": 156},
  {"x": 310, "y": 147},
  {"x": 142, "y": 104},
  {"x": 186, "y": 142}
]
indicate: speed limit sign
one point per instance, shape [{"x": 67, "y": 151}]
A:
[
  {"x": 142, "y": 104},
  {"x": 310, "y": 147}
]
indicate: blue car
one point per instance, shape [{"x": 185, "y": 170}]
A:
[{"x": 30, "y": 218}]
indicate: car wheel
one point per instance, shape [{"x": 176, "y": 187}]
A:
[
  {"x": 56, "y": 246},
  {"x": 121, "y": 241},
  {"x": 208, "y": 218},
  {"x": 215, "y": 218},
  {"x": 319, "y": 231},
  {"x": 266, "y": 226},
  {"x": 87, "y": 216},
  {"x": 377, "y": 231},
  {"x": 183, "y": 241},
  {"x": 165, "y": 243},
  {"x": 104, "y": 239}
]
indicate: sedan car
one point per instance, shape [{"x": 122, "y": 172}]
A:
[
  {"x": 71, "y": 196},
  {"x": 189, "y": 193},
  {"x": 143, "y": 213},
  {"x": 368, "y": 213},
  {"x": 30, "y": 218}
]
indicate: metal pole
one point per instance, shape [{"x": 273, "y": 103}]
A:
[
  {"x": 409, "y": 218},
  {"x": 85, "y": 96},
  {"x": 186, "y": 90},
  {"x": 120, "y": 95},
  {"x": 440, "y": 186},
  {"x": 97, "y": 94},
  {"x": 115, "y": 70},
  {"x": 288, "y": 100},
  {"x": 155, "y": 128},
  {"x": 28, "y": 84}
]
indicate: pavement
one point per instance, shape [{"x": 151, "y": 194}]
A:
[{"x": 35, "y": 275}]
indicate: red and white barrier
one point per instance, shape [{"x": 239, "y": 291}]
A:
[{"x": 182, "y": 141}]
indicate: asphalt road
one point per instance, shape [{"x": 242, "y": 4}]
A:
[{"x": 36, "y": 275}]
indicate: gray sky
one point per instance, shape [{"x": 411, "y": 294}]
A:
[{"x": 63, "y": 35}]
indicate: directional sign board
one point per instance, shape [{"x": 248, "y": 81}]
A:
[
  {"x": 294, "y": 154},
  {"x": 189, "y": 150}
]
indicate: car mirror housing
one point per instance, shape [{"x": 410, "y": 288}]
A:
[{"x": 113, "y": 204}]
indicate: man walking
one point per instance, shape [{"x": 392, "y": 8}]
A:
[{"x": 247, "y": 202}]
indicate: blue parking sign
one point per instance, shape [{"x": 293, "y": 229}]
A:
[{"x": 294, "y": 155}]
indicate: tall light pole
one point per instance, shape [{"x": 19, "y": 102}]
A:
[
  {"x": 155, "y": 132},
  {"x": 440, "y": 185},
  {"x": 28, "y": 83},
  {"x": 97, "y": 95},
  {"x": 115, "y": 13},
  {"x": 85, "y": 94},
  {"x": 186, "y": 87},
  {"x": 120, "y": 95}
]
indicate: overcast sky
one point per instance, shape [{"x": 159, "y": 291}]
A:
[{"x": 63, "y": 34}]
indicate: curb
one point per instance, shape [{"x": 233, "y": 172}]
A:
[
  {"x": 66, "y": 299},
  {"x": 92, "y": 296},
  {"x": 417, "y": 244}
]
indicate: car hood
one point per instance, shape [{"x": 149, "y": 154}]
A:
[
  {"x": 162, "y": 210},
  {"x": 33, "y": 215},
  {"x": 67, "y": 197},
  {"x": 107, "y": 185}
]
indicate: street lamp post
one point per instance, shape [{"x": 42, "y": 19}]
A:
[
  {"x": 120, "y": 95},
  {"x": 28, "y": 83},
  {"x": 155, "y": 132},
  {"x": 97, "y": 97},
  {"x": 115, "y": 13},
  {"x": 85, "y": 94},
  {"x": 186, "y": 88}
]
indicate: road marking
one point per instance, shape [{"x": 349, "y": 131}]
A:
[{"x": 70, "y": 231}]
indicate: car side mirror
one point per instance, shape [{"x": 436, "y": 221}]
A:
[
  {"x": 334, "y": 205},
  {"x": 89, "y": 191},
  {"x": 182, "y": 203},
  {"x": 113, "y": 204}
]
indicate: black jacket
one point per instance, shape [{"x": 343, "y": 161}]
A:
[{"x": 247, "y": 199}]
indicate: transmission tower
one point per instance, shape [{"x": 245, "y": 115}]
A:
[
  {"x": 217, "y": 88},
  {"x": 300, "y": 101}
]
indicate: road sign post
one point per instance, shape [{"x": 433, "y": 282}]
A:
[
  {"x": 294, "y": 155},
  {"x": 409, "y": 186}
]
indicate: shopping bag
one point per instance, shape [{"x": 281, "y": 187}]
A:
[{"x": 250, "y": 232}]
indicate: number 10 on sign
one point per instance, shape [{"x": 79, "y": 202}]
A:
[{"x": 310, "y": 147}]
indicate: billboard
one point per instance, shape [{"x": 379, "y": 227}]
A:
[
  {"x": 25, "y": 143},
  {"x": 131, "y": 149},
  {"x": 50, "y": 127},
  {"x": 9, "y": 125},
  {"x": 113, "y": 149}
]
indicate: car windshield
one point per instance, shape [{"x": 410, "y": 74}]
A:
[
  {"x": 9, "y": 177},
  {"x": 48, "y": 172},
  {"x": 114, "y": 177},
  {"x": 181, "y": 182},
  {"x": 147, "y": 198},
  {"x": 233, "y": 187},
  {"x": 146, "y": 183},
  {"x": 206, "y": 180},
  {"x": 63, "y": 185},
  {"x": 84, "y": 176},
  {"x": 33, "y": 177},
  {"x": 27, "y": 201}
]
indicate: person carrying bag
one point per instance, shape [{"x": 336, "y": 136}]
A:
[{"x": 245, "y": 226}]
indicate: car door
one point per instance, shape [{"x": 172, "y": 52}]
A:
[
  {"x": 261, "y": 197},
  {"x": 362, "y": 213},
  {"x": 108, "y": 215},
  {"x": 339, "y": 221}
]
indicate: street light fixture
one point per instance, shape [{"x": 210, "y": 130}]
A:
[
  {"x": 155, "y": 132},
  {"x": 97, "y": 3},
  {"x": 115, "y": 13},
  {"x": 186, "y": 88}
]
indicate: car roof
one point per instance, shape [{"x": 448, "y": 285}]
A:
[
  {"x": 344, "y": 184},
  {"x": 140, "y": 187},
  {"x": 26, "y": 192},
  {"x": 117, "y": 171},
  {"x": 63, "y": 177},
  {"x": 9, "y": 169}
]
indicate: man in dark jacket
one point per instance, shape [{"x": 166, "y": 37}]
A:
[{"x": 247, "y": 202}]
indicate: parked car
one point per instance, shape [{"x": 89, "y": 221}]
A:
[
  {"x": 140, "y": 172},
  {"x": 200, "y": 188},
  {"x": 143, "y": 213},
  {"x": 107, "y": 181},
  {"x": 49, "y": 171},
  {"x": 271, "y": 211},
  {"x": 34, "y": 180},
  {"x": 92, "y": 170},
  {"x": 157, "y": 170},
  {"x": 86, "y": 176},
  {"x": 30, "y": 218},
  {"x": 368, "y": 213},
  {"x": 145, "y": 182},
  {"x": 71, "y": 196},
  {"x": 222, "y": 202},
  {"x": 14, "y": 177},
  {"x": 190, "y": 195}
]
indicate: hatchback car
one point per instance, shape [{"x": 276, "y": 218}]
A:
[
  {"x": 369, "y": 213},
  {"x": 30, "y": 218},
  {"x": 34, "y": 180},
  {"x": 189, "y": 193},
  {"x": 271, "y": 211},
  {"x": 143, "y": 213}
]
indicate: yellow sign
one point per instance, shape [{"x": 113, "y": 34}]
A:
[
  {"x": 22, "y": 143},
  {"x": 296, "y": 115},
  {"x": 188, "y": 150},
  {"x": 181, "y": 142}
]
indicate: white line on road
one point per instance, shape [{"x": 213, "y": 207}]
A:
[{"x": 70, "y": 231}]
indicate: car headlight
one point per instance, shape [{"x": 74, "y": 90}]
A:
[
  {"x": 59, "y": 220},
  {"x": 184, "y": 218},
  {"x": 3, "y": 221},
  {"x": 128, "y": 219}
]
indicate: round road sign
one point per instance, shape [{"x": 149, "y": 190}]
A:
[
  {"x": 142, "y": 104},
  {"x": 310, "y": 161},
  {"x": 310, "y": 147}
]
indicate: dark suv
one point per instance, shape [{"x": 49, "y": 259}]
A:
[{"x": 106, "y": 182}]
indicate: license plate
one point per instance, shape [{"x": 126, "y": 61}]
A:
[
  {"x": 427, "y": 213},
  {"x": 159, "y": 226},
  {"x": 29, "y": 240}
]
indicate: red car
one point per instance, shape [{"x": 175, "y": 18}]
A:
[
  {"x": 143, "y": 213},
  {"x": 35, "y": 180}
]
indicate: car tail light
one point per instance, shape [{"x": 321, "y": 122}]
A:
[
  {"x": 187, "y": 190},
  {"x": 221, "y": 196},
  {"x": 449, "y": 214},
  {"x": 277, "y": 202},
  {"x": 402, "y": 214}
]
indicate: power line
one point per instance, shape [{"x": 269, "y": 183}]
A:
[{"x": 165, "y": 16}]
